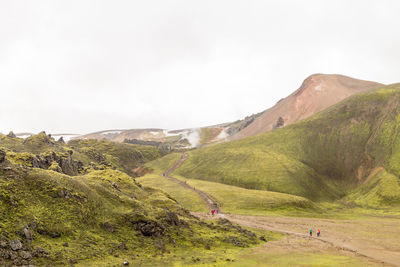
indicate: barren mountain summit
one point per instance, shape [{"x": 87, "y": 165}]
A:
[{"x": 317, "y": 92}]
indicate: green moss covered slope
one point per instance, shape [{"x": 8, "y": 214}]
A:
[
  {"x": 323, "y": 158},
  {"x": 96, "y": 215}
]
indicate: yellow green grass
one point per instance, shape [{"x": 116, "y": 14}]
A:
[
  {"x": 103, "y": 153},
  {"x": 185, "y": 197},
  {"x": 101, "y": 214},
  {"x": 236, "y": 200},
  {"x": 162, "y": 164},
  {"x": 232, "y": 199},
  {"x": 255, "y": 257},
  {"x": 256, "y": 167},
  {"x": 383, "y": 187},
  {"x": 323, "y": 158},
  {"x": 126, "y": 157},
  {"x": 81, "y": 210}
]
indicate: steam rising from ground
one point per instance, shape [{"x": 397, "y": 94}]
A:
[
  {"x": 193, "y": 136},
  {"x": 222, "y": 135}
]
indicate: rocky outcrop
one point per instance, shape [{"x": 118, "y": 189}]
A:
[
  {"x": 279, "y": 123},
  {"x": 62, "y": 163},
  {"x": 16, "y": 252},
  {"x": 237, "y": 126},
  {"x": 67, "y": 165},
  {"x": 11, "y": 134},
  {"x": 149, "y": 228},
  {"x": 2, "y": 156},
  {"x": 15, "y": 244},
  {"x": 172, "y": 219},
  {"x": 154, "y": 228}
]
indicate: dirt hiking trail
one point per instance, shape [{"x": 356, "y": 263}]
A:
[
  {"x": 167, "y": 174},
  {"x": 375, "y": 239}
]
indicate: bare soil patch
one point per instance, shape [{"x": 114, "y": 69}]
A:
[{"x": 374, "y": 238}]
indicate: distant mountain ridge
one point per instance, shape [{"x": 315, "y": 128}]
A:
[{"x": 317, "y": 92}]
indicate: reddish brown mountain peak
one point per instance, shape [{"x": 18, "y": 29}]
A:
[
  {"x": 316, "y": 93},
  {"x": 310, "y": 81}
]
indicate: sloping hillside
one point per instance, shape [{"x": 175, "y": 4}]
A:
[
  {"x": 60, "y": 206},
  {"x": 324, "y": 157},
  {"x": 126, "y": 157},
  {"x": 42, "y": 150},
  {"x": 317, "y": 92}
]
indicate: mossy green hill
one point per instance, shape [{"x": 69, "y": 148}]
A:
[
  {"x": 324, "y": 158},
  {"x": 41, "y": 150},
  {"x": 73, "y": 203},
  {"x": 126, "y": 157}
]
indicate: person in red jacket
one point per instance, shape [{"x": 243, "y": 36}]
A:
[
  {"x": 212, "y": 212},
  {"x": 318, "y": 233}
]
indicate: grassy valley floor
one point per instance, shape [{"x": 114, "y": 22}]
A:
[{"x": 358, "y": 230}]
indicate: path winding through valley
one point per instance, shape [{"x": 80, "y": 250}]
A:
[
  {"x": 167, "y": 174},
  {"x": 340, "y": 234}
]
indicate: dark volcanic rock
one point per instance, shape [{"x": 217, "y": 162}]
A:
[
  {"x": 149, "y": 228},
  {"x": 64, "y": 193},
  {"x": 235, "y": 241},
  {"x": 13, "y": 255},
  {"x": 65, "y": 162},
  {"x": 172, "y": 219},
  {"x": 26, "y": 255},
  {"x": 241, "y": 124},
  {"x": 40, "y": 252},
  {"x": 11, "y": 134},
  {"x": 3, "y": 244},
  {"x": 2, "y": 156},
  {"x": 113, "y": 184}
]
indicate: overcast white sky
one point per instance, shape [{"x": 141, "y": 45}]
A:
[{"x": 82, "y": 66}]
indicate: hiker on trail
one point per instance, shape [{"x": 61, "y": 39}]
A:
[
  {"x": 311, "y": 231},
  {"x": 212, "y": 212},
  {"x": 217, "y": 211},
  {"x": 318, "y": 233}
]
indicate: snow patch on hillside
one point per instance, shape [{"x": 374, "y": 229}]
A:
[
  {"x": 66, "y": 137},
  {"x": 168, "y": 133},
  {"x": 318, "y": 87},
  {"x": 24, "y": 136},
  {"x": 111, "y": 132}
]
